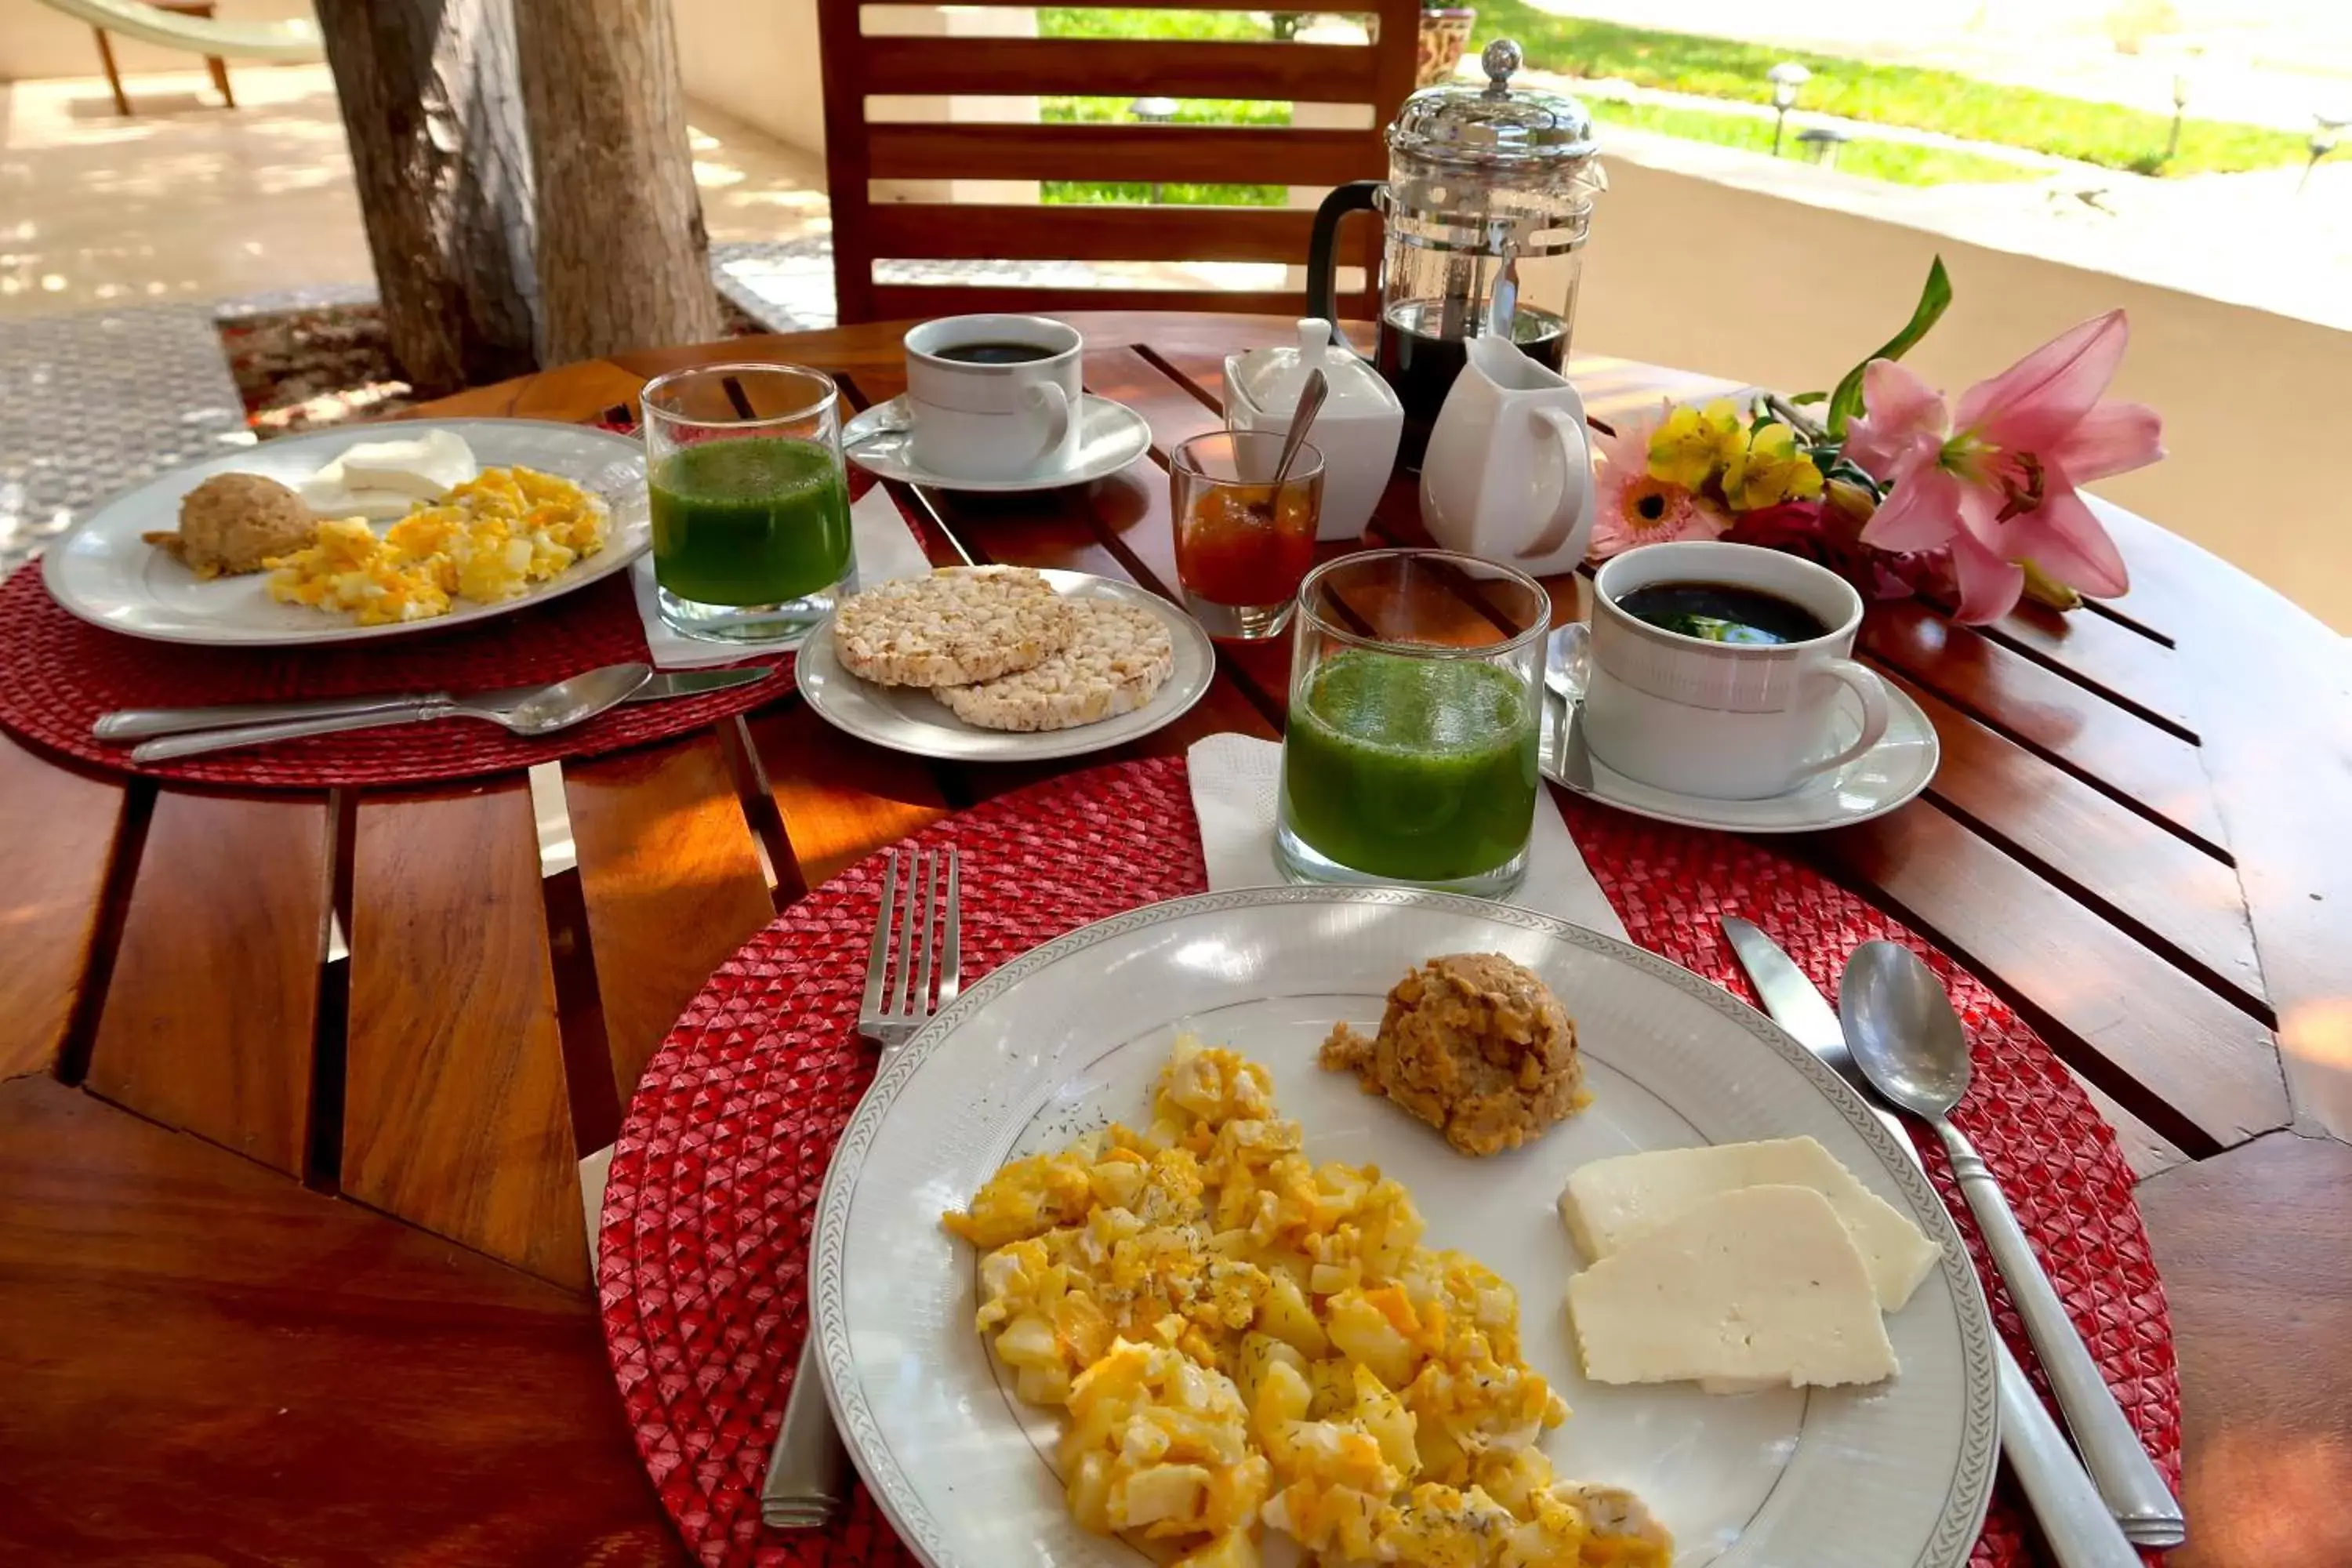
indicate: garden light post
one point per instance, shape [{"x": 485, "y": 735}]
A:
[
  {"x": 1786, "y": 79},
  {"x": 1153, "y": 111},
  {"x": 2179, "y": 108},
  {"x": 2326, "y": 130}
]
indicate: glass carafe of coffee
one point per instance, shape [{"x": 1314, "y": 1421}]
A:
[{"x": 1485, "y": 211}]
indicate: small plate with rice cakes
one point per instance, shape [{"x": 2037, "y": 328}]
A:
[{"x": 1005, "y": 664}]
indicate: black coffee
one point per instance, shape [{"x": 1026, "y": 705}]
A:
[
  {"x": 995, "y": 353},
  {"x": 1414, "y": 356},
  {"x": 1722, "y": 612}
]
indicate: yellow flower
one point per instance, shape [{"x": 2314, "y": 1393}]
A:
[
  {"x": 1693, "y": 442},
  {"x": 1769, "y": 471}
]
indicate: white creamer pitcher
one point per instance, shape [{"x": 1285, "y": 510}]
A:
[{"x": 1508, "y": 474}]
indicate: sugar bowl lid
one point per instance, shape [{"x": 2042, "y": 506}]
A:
[{"x": 1496, "y": 127}]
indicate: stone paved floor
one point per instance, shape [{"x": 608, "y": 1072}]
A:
[{"x": 95, "y": 402}]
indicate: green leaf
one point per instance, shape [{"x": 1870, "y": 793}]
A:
[
  {"x": 1933, "y": 300},
  {"x": 1804, "y": 397}
]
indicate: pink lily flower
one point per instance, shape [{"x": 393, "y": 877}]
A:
[{"x": 1995, "y": 478}]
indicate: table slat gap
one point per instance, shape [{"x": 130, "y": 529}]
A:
[
  {"x": 322, "y": 1160},
  {"x": 2169, "y": 948},
  {"x": 588, "y": 1076},
  {"x": 209, "y": 1023},
  {"x": 2103, "y": 659},
  {"x": 754, "y": 794},
  {"x": 458, "y": 1117},
  {"x": 1199, "y": 394},
  {"x": 79, "y": 1039},
  {"x": 672, "y": 879},
  {"x": 838, "y": 798},
  {"x": 2105, "y": 611},
  {"x": 2199, "y": 1070},
  {"x": 59, "y": 828},
  {"x": 2142, "y": 765},
  {"x": 2153, "y": 815}
]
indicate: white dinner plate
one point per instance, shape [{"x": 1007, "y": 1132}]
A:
[
  {"x": 908, "y": 719},
  {"x": 1889, "y": 774},
  {"x": 106, "y": 573},
  {"x": 1110, "y": 436},
  {"x": 1069, "y": 1036}
]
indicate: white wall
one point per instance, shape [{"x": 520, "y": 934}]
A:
[
  {"x": 36, "y": 41},
  {"x": 756, "y": 60},
  {"x": 1690, "y": 272}
]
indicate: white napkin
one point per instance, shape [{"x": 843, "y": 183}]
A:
[
  {"x": 886, "y": 548},
  {"x": 1234, "y": 780}
]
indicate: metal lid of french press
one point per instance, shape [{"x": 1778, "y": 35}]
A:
[{"x": 1497, "y": 127}]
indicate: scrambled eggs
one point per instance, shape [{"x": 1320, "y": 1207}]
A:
[
  {"x": 1243, "y": 1339},
  {"x": 488, "y": 539}
]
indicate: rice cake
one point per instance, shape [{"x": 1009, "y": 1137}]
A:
[
  {"x": 957, "y": 625},
  {"x": 1118, "y": 656}
]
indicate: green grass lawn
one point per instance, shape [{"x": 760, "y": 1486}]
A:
[
  {"x": 1956, "y": 105},
  {"x": 1899, "y": 163},
  {"x": 1241, "y": 27},
  {"x": 1189, "y": 111},
  {"x": 1714, "y": 68}
]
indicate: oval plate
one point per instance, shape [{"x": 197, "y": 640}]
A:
[
  {"x": 106, "y": 573},
  {"x": 1071, "y": 1035},
  {"x": 908, "y": 719}
]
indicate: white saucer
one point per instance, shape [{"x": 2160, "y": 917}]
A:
[
  {"x": 1110, "y": 436},
  {"x": 1889, "y": 774}
]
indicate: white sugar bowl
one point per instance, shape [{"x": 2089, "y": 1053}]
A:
[{"x": 1356, "y": 432}]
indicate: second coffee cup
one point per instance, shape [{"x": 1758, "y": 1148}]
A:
[{"x": 994, "y": 398}]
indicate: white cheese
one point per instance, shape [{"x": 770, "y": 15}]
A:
[
  {"x": 1609, "y": 1203},
  {"x": 421, "y": 468},
  {"x": 327, "y": 496},
  {"x": 1758, "y": 1286},
  {"x": 382, "y": 480}
]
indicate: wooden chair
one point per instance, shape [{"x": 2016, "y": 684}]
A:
[
  {"x": 202, "y": 9},
  {"x": 858, "y": 152}
]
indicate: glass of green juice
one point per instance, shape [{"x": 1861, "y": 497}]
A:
[
  {"x": 749, "y": 499},
  {"x": 1416, "y": 701}
]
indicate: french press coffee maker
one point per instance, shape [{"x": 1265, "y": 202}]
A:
[{"x": 1485, "y": 206}]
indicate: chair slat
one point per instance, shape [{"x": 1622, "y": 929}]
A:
[
  {"x": 1124, "y": 67},
  {"x": 914, "y": 301},
  {"x": 947, "y": 230},
  {"x": 1121, "y": 152}
]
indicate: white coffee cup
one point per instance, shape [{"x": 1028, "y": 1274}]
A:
[
  {"x": 1721, "y": 720},
  {"x": 999, "y": 421}
]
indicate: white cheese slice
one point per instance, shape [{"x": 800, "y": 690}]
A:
[
  {"x": 327, "y": 495},
  {"x": 1754, "y": 1287},
  {"x": 1609, "y": 1203},
  {"x": 421, "y": 468}
]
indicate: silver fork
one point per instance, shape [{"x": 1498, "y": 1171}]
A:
[{"x": 907, "y": 980}]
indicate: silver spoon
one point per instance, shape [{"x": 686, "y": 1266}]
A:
[
  {"x": 535, "y": 711},
  {"x": 1908, "y": 1042},
  {"x": 1311, "y": 403}
]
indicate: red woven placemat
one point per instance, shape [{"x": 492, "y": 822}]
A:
[
  {"x": 714, "y": 1183},
  {"x": 58, "y": 674}
]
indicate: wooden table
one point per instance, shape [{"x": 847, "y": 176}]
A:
[{"x": 293, "y": 1261}]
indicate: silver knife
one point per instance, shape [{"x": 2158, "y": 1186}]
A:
[
  {"x": 2075, "y": 1519},
  {"x": 140, "y": 724}
]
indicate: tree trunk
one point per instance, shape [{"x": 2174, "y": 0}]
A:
[
  {"x": 435, "y": 127},
  {"x": 624, "y": 260}
]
